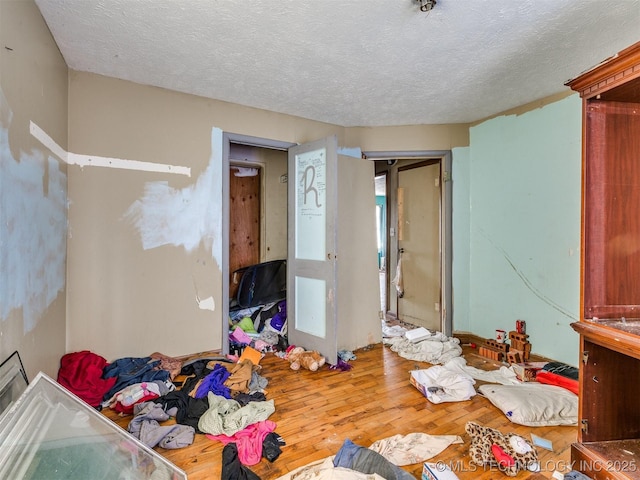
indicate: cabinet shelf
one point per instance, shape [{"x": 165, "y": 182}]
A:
[
  {"x": 615, "y": 334},
  {"x": 619, "y": 459},
  {"x": 608, "y": 445}
]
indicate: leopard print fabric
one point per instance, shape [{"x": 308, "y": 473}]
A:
[{"x": 482, "y": 438}]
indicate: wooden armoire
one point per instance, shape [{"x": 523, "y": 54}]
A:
[{"x": 608, "y": 445}]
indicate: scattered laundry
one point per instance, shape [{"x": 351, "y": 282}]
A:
[
  {"x": 413, "y": 448},
  {"x": 504, "y": 375},
  {"x": 145, "y": 426},
  {"x": 249, "y": 441},
  {"x": 436, "y": 349},
  {"x": 326, "y": 470},
  {"x": 392, "y": 330},
  {"x": 226, "y": 416},
  {"x": 365, "y": 460},
  {"x": 341, "y": 365},
  {"x": 232, "y": 468},
  {"x": 440, "y": 384},
  {"x": 346, "y": 355}
]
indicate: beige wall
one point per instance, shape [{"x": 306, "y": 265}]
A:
[
  {"x": 124, "y": 300},
  {"x": 275, "y": 206},
  {"x": 33, "y": 184},
  {"x": 408, "y": 138}
]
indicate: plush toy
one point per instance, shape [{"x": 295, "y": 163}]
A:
[
  {"x": 508, "y": 453},
  {"x": 299, "y": 357}
]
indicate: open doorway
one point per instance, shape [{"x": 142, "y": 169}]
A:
[
  {"x": 418, "y": 245},
  {"x": 255, "y": 237},
  {"x": 336, "y": 175}
]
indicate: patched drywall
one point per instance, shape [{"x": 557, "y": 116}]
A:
[
  {"x": 183, "y": 217},
  {"x": 33, "y": 197}
]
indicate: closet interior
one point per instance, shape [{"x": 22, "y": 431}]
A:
[{"x": 257, "y": 248}]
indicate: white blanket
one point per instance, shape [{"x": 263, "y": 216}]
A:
[
  {"x": 436, "y": 349},
  {"x": 413, "y": 448},
  {"x": 443, "y": 385},
  {"x": 325, "y": 470},
  {"x": 505, "y": 376}
]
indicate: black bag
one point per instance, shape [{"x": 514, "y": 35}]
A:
[{"x": 261, "y": 284}]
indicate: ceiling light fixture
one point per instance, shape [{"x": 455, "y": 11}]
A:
[{"x": 426, "y": 5}]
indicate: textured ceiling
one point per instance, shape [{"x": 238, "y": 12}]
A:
[{"x": 348, "y": 62}]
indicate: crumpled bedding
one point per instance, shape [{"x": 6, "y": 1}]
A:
[
  {"x": 436, "y": 349},
  {"x": 326, "y": 470},
  {"x": 443, "y": 385},
  {"x": 413, "y": 448},
  {"x": 504, "y": 376}
]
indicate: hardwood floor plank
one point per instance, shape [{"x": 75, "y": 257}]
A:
[{"x": 317, "y": 411}]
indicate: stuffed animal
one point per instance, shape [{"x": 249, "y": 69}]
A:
[
  {"x": 299, "y": 357},
  {"x": 508, "y": 453}
]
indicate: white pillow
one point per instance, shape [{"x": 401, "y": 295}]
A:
[{"x": 534, "y": 404}]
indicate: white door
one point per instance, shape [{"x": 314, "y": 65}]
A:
[{"x": 311, "y": 259}]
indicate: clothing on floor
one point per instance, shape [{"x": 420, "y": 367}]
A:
[
  {"x": 325, "y": 470},
  {"x": 145, "y": 426},
  {"x": 81, "y": 373},
  {"x": 365, "y": 460},
  {"x": 245, "y": 398},
  {"x": 170, "y": 364},
  {"x": 214, "y": 382},
  {"x": 413, "y": 448},
  {"x": 232, "y": 469},
  {"x": 249, "y": 441},
  {"x": 271, "y": 446},
  {"x": 238, "y": 381},
  {"x": 227, "y": 417},
  {"x": 130, "y": 370},
  {"x": 188, "y": 410}
]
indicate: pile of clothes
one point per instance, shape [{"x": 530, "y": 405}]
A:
[{"x": 218, "y": 397}]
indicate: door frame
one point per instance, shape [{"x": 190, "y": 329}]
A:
[
  {"x": 444, "y": 158},
  {"x": 229, "y": 138}
]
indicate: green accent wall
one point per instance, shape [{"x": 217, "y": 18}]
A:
[{"x": 519, "y": 209}]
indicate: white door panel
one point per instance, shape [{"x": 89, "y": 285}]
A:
[{"x": 311, "y": 264}]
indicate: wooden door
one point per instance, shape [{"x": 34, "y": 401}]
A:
[
  {"x": 244, "y": 221},
  {"x": 419, "y": 239}
]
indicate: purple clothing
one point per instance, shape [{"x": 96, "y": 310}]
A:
[{"x": 214, "y": 382}]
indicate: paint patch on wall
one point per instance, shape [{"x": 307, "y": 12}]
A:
[
  {"x": 33, "y": 228},
  {"x": 107, "y": 162},
  {"x": 206, "y": 304},
  {"x": 183, "y": 217}
]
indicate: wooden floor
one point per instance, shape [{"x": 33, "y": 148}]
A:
[{"x": 317, "y": 411}]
